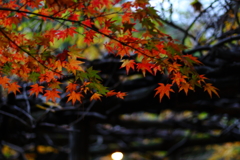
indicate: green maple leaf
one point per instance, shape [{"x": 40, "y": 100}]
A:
[
  {"x": 83, "y": 76},
  {"x": 99, "y": 88},
  {"x": 128, "y": 26},
  {"x": 34, "y": 76},
  {"x": 92, "y": 74}
]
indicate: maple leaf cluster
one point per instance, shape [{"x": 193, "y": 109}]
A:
[{"x": 32, "y": 58}]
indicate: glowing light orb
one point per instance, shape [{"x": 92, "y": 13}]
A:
[{"x": 117, "y": 156}]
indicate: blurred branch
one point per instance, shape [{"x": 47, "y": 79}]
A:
[
  {"x": 178, "y": 28},
  {"x": 14, "y": 117},
  {"x": 209, "y": 47},
  {"x": 193, "y": 22}
]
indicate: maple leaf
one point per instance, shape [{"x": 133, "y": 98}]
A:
[
  {"x": 121, "y": 95},
  {"x": 145, "y": 66},
  {"x": 87, "y": 22},
  {"x": 62, "y": 34},
  {"x": 105, "y": 31},
  {"x": 95, "y": 96},
  {"x": 117, "y": 94},
  {"x": 111, "y": 93},
  {"x": 54, "y": 84},
  {"x": 201, "y": 79},
  {"x": 185, "y": 86},
  {"x": 59, "y": 65},
  {"x": 128, "y": 26},
  {"x": 74, "y": 96},
  {"x": 192, "y": 59},
  {"x": 163, "y": 90},
  {"x": 98, "y": 87},
  {"x": 48, "y": 77},
  {"x": 4, "y": 81},
  {"x": 36, "y": 89},
  {"x": 75, "y": 52},
  {"x": 71, "y": 31},
  {"x": 89, "y": 35},
  {"x": 71, "y": 87},
  {"x": 209, "y": 88},
  {"x": 128, "y": 64},
  {"x": 63, "y": 56},
  {"x": 74, "y": 65},
  {"x": 174, "y": 67},
  {"x": 74, "y": 16},
  {"x": 92, "y": 74},
  {"x": 13, "y": 87},
  {"x": 178, "y": 78},
  {"x": 52, "y": 94},
  {"x": 157, "y": 68}
]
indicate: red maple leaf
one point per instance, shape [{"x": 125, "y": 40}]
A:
[
  {"x": 87, "y": 23},
  {"x": 63, "y": 56},
  {"x": 105, "y": 31},
  {"x": 128, "y": 64},
  {"x": 111, "y": 93},
  {"x": 145, "y": 67},
  {"x": 163, "y": 90},
  {"x": 121, "y": 95}
]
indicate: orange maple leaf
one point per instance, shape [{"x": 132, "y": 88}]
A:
[
  {"x": 209, "y": 88},
  {"x": 192, "y": 59},
  {"x": 74, "y": 65},
  {"x": 174, "y": 67},
  {"x": 4, "y": 81},
  {"x": 74, "y": 96},
  {"x": 163, "y": 90},
  {"x": 71, "y": 87},
  {"x": 118, "y": 94},
  {"x": 95, "y": 96},
  {"x": 111, "y": 93},
  {"x": 36, "y": 89},
  {"x": 178, "y": 78},
  {"x": 157, "y": 68},
  {"x": 52, "y": 94},
  {"x": 121, "y": 95},
  {"x": 13, "y": 87},
  {"x": 201, "y": 78},
  {"x": 128, "y": 64},
  {"x": 48, "y": 77},
  {"x": 185, "y": 87}
]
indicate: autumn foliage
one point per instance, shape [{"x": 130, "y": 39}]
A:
[{"x": 136, "y": 31}]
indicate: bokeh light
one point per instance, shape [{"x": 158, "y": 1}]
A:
[{"x": 117, "y": 156}]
